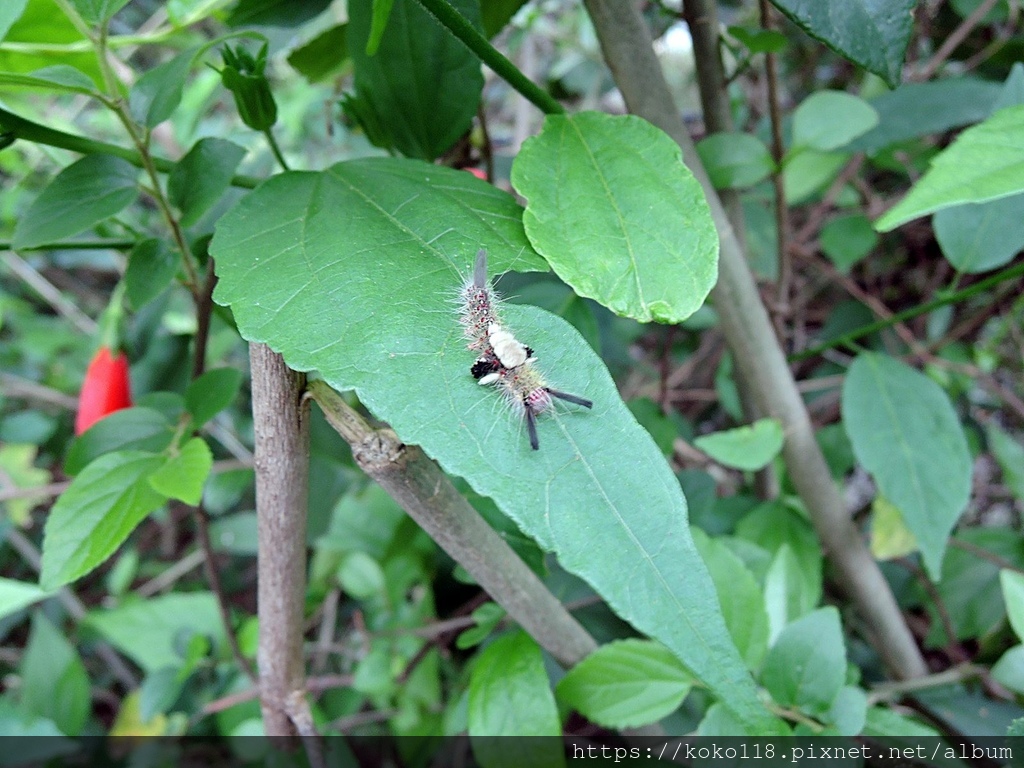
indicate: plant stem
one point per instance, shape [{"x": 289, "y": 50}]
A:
[
  {"x": 1010, "y": 273},
  {"x": 281, "y": 424},
  {"x": 27, "y": 130},
  {"x": 626, "y": 43},
  {"x": 276, "y": 149},
  {"x": 457, "y": 24},
  {"x": 778, "y": 151},
  {"x": 425, "y": 492}
]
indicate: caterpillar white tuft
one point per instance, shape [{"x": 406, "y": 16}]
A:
[{"x": 503, "y": 360}]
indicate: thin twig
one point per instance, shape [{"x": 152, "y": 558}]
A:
[
  {"x": 778, "y": 152},
  {"x": 50, "y": 293},
  {"x": 950, "y": 44}
]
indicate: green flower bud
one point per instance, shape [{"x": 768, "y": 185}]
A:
[{"x": 243, "y": 76}]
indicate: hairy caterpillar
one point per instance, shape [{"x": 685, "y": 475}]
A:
[{"x": 503, "y": 360}]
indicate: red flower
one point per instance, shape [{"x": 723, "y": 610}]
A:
[{"x": 106, "y": 389}]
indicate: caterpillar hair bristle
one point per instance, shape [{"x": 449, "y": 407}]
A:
[
  {"x": 571, "y": 398},
  {"x": 503, "y": 360},
  {"x": 531, "y": 427}
]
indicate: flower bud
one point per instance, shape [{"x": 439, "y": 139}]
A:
[
  {"x": 243, "y": 76},
  {"x": 106, "y": 389}
]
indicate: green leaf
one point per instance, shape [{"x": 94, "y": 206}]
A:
[
  {"x": 1013, "y": 595},
  {"x": 183, "y": 476},
  {"x": 54, "y": 683},
  {"x": 201, "y": 176},
  {"x": 828, "y": 120},
  {"x": 757, "y": 40},
  {"x": 509, "y": 695},
  {"x": 595, "y": 183},
  {"x": 806, "y": 667},
  {"x": 871, "y": 34},
  {"x": 152, "y": 266},
  {"x": 735, "y": 160},
  {"x": 906, "y": 434},
  {"x": 789, "y": 591},
  {"x": 42, "y": 22},
  {"x": 211, "y": 393},
  {"x": 882, "y": 721},
  {"x": 274, "y": 13},
  {"x": 60, "y": 77},
  {"x": 922, "y": 109},
  {"x": 16, "y": 595},
  {"x": 361, "y": 576},
  {"x": 1009, "y": 670},
  {"x": 96, "y": 513},
  {"x": 486, "y": 617},
  {"x": 497, "y": 13},
  {"x": 138, "y": 428},
  {"x": 974, "y": 237},
  {"x": 98, "y": 12},
  {"x": 423, "y": 86},
  {"x": 381, "y": 14},
  {"x": 809, "y": 171},
  {"x": 626, "y": 684},
  {"x": 986, "y": 162},
  {"x": 17, "y": 465},
  {"x": 155, "y": 95},
  {"x": 1009, "y": 454},
  {"x": 743, "y": 603},
  {"x": 10, "y": 12},
  {"x": 154, "y": 633},
  {"x": 356, "y": 269},
  {"x": 323, "y": 56},
  {"x": 85, "y": 193},
  {"x": 970, "y": 588},
  {"x": 774, "y": 525},
  {"x": 848, "y": 239},
  {"x": 848, "y": 711},
  {"x": 750, "y": 447}
]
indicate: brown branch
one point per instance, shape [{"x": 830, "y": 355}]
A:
[
  {"x": 778, "y": 152},
  {"x": 428, "y": 496},
  {"x": 956, "y": 37},
  {"x": 281, "y": 425}
]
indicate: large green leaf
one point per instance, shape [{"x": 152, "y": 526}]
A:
[
  {"x": 872, "y": 33},
  {"x": 509, "y": 695},
  {"x": 96, "y": 513},
  {"x": 352, "y": 271},
  {"x": 596, "y": 185},
  {"x": 985, "y": 162},
  {"x": 85, "y": 193},
  {"x": 421, "y": 88},
  {"x": 907, "y": 435},
  {"x": 150, "y": 631}
]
